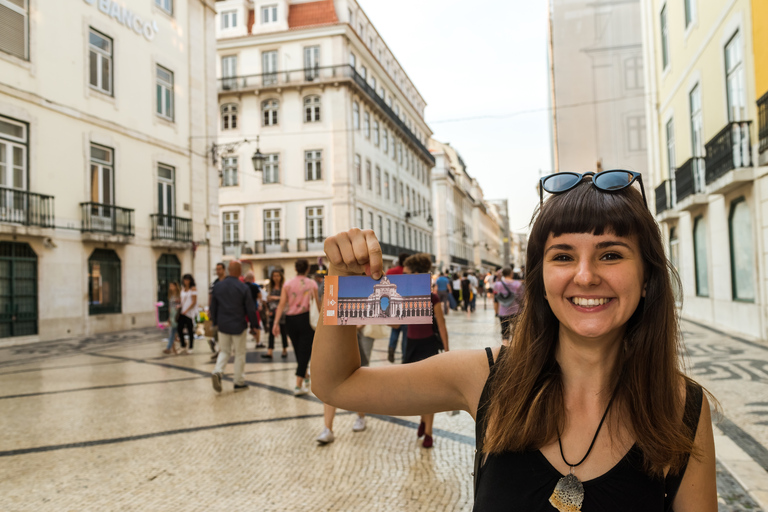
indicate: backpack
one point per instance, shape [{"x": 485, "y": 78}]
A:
[{"x": 506, "y": 299}]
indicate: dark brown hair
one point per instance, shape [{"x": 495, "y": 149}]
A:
[
  {"x": 279, "y": 270},
  {"x": 420, "y": 263},
  {"x": 301, "y": 266},
  {"x": 526, "y": 409}
]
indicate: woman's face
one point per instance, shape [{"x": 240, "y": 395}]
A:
[
  {"x": 593, "y": 283},
  {"x": 186, "y": 282},
  {"x": 172, "y": 288},
  {"x": 407, "y": 270},
  {"x": 277, "y": 278}
]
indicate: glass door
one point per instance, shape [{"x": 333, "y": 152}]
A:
[
  {"x": 311, "y": 62},
  {"x": 166, "y": 205},
  {"x": 13, "y": 158},
  {"x": 102, "y": 189},
  {"x": 269, "y": 67}
]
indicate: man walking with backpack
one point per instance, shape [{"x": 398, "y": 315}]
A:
[{"x": 508, "y": 294}]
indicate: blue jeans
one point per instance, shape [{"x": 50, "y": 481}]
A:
[
  {"x": 394, "y": 335},
  {"x": 171, "y": 338}
]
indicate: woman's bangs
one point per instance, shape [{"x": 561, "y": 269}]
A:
[{"x": 585, "y": 209}]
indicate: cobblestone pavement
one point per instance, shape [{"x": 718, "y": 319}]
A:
[{"x": 107, "y": 423}]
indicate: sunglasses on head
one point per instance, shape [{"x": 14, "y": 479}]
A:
[{"x": 612, "y": 180}]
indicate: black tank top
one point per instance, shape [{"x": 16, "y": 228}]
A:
[{"x": 524, "y": 481}]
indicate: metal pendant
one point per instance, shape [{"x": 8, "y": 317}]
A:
[{"x": 568, "y": 494}]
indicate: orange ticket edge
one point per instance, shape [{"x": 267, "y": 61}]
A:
[{"x": 331, "y": 301}]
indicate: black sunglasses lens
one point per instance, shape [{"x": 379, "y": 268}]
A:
[
  {"x": 612, "y": 180},
  {"x": 560, "y": 182}
]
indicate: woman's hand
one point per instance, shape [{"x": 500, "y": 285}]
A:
[{"x": 353, "y": 253}]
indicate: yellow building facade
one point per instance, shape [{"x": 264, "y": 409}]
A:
[
  {"x": 711, "y": 192},
  {"x": 760, "y": 45}
]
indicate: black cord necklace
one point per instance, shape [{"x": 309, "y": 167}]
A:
[{"x": 569, "y": 491}]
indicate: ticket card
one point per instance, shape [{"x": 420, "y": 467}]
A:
[{"x": 392, "y": 300}]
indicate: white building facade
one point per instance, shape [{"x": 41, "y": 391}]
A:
[
  {"x": 106, "y": 187},
  {"x": 340, "y": 123}
]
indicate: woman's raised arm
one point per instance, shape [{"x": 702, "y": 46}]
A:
[{"x": 449, "y": 381}]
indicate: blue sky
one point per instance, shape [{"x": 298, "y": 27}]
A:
[
  {"x": 407, "y": 285},
  {"x": 483, "y": 59}
]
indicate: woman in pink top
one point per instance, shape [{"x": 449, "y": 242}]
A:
[{"x": 295, "y": 300}]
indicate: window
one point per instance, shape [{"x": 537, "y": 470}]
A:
[
  {"x": 13, "y": 154},
  {"x": 671, "y": 163},
  {"x": 231, "y": 226},
  {"x": 370, "y": 221},
  {"x": 636, "y": 133},
  {"x": 272, "y": 225},
  {"x": 228, "y": 19},
  {"x": 164, "y": 89},
  {"x": 269, "y": 68},
  {"x": 352, "y": 60},
  {"x": 385, "y": 140},
  {"x": 100, "y": 55},
  {"x": 690, "y": 12},
  {"x": 229, "y": 116},
  {"x": 355, "y": 115},
  {"x": 368, "y": 177},
  {"x": 359, "y": 170},
  {"x": 410, "y": 238},
  {"x": 311, "y": 62},
  {"x": 734, "y": 72},
  {"x": 408, "y": 197},
  {"x": 397, "y": 233},
  {"x": 166, "y": 5},
  {"x": 373, "y": 83},
  {"x": 386, "y": 185},
  {"x": 102, "y": 180},
  {"x": 269, "y": 14},
  {"x": 360, "y": 218},
  {"x": 380, "y": 232},
  {"x": 312, "y": 109},
  {"x": 664, "y": 38},
  {"x": 229, "y": 72},
  {"x": 742, "y": 251},
  {"x": 378, "y": 181},
  {"x": 315, "y": 223},
  {"x": 229, "y": 170},
  {"x": 376, "y": 133},
  {"x": 104, "y": 280},
  {"x": 394, "y": 188},
  {"x": 633, "y": 72},
  {"x": 166, "y": 196},
  {"x": 364, "y": 72},
  {"x": 312, "y": 163},
  {"x": 700, "y": 256},
  {"x": 271, "y": 168},
  {"x": 400, "y": 153},
  {"x": 367, "y": 125},
  {"x": 269, "y": 112},
  {"x": 351, "y": 17},
  {"x": 402, "y": 196},
  {"x": 694, "y": 103},
  {"x": 14, "y": 27},
  {"x": 360, "y": 30}
]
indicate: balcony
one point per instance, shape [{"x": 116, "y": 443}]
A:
[
  {"x": 689, "y": 184},
  {"x": 666, "y": 199},
  {"x": 729, "y": 158},
  {"x": 106, "y": 222},
  {"x": 460, "y": 261},
  {"x": 310, "y": 244},
  {"x": 235, "y": 248},
  {"x": 25, "y": 209},
  {"x": 170, "y": 231},
  {"x": 762, "y": 117},
  {"x": 270, "y": 246},
  {"x": 319, "y": 75}
]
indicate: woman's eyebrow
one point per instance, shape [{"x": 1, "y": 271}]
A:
[
  {"x": 559, "y": 247},
  {"x": 611, "y": 243}
]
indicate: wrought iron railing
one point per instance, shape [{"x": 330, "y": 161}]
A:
[
  {"x": 310, "y": 244},
  {"x": 460, "y": 261},
  {"x": 665, "y": 196},
  {"x": 320, "y": 74},
  {"x": 689, "y": 178},
  {"x": 270, "y": 246},
  {"x": 27, "y": 208},
  {"x": 762, "y": 121},
  {"x": 728, "y": 150},
  {"x": 169, "y": 227},
  {"x": 235, "y": 248},
  {"x": 107, "y": 218}
]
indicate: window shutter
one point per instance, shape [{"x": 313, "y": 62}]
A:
[{"x": 13, "y": 30}]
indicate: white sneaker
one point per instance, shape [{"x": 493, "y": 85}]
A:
[
  {"x": 299, "y": 391},
  {"x": 326, "y": 436},
  {"x": 359, "y": 425}
]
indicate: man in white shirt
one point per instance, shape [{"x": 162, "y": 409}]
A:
[{"x": 473, "y": 283}]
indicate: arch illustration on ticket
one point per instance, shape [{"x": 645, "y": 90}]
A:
[{"x": 392, "y": 300}]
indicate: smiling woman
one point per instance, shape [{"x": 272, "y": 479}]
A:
[{"x": 588, "y": 408}]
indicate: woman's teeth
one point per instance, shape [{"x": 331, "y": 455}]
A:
[{"x": 589, "y": 302}]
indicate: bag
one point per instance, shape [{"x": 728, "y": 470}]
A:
[
  {"x": 452, "y": 301},
  {"x": 178, "y": 317},
  {"x": 314, "y": 315},
  {"x": 376, "y": 331},
  {"x": 507, "y": 299}
]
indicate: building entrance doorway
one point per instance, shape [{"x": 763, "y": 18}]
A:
[
  {"x": 18, "y": 290},
  {"x": 168, "y": 270}
]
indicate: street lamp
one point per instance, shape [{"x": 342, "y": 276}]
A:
[
  {"x": 225, "y": 149},
  {"x": 408, "y": 216},
  {"x": 258, "y": 158}
]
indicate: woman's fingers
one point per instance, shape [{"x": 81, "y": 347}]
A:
[
  {"x": 354, "y": 251},
  {"x": 375, "y": 260}
]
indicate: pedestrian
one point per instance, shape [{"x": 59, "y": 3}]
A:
[
  {"x": 507, "y": 293},
  {"x": 221, "y": 273},
  {"x": 250, "y": 281},
  {"x": 488, "y": 283},
  {"x": 474, "y": 288},
  {"x": 295, "y": 299},
  {"x": 397, "y": 330},
  {"x": 443, "y": 285},
  {"x": 232, "y": 303},
  {"x": 188, "y": 311},
  {"x": 425, "y": 340},
  {"x": 276, "y": 280},
  {"x": 592, "y": 385},
  {"x": 456, "y": 287},
  {"x": 466, "y": 294},
  {"x": 174, "y": 302},
  {"x": 365, "y": 346}
]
